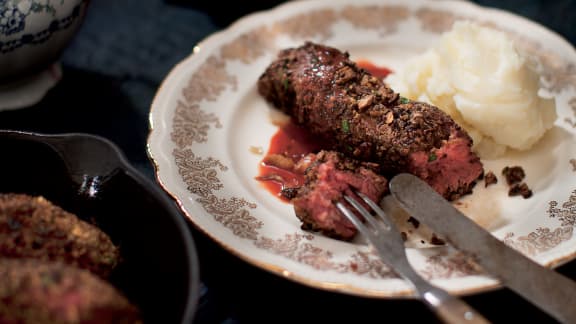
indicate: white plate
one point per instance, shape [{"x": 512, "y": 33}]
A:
[{"x": 207, "y": 117}]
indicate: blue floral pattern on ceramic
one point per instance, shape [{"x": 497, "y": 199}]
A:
[
  {"x": 13, "y": 16},
  {"x": 13, "y": 13}
]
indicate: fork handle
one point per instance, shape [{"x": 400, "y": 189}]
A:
[{"x": 451, "y": 309}]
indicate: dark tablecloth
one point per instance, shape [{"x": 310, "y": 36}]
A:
[{"x": 111, "y": 72}]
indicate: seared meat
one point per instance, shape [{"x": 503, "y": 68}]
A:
[
  {"x": 42, "y": 292},
  {"x": 33, "y": 227},
  {"x": 357, "y": 114},
  {"x": 514, "y": 174},
  {"x": 520, "y": 189},
  {"x": 490, "y": 179},
  {"x": 329, "y": 176}
]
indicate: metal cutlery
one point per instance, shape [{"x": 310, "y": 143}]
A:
[
  {"x": 383, "y": 235},
  {"x": 544, "y": 287}
]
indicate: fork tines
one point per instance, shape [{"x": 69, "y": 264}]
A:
[{"x": 376, "y": 221}]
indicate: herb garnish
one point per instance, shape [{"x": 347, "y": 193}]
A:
[{"x": 345, "y": 126}]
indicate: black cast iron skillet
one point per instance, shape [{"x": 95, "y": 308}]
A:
[{"x": 89, "y": 176}]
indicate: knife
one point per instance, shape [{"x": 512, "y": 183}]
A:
[{"x": 545, "y": 288}]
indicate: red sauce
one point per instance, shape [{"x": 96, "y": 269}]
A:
[
  {"x": 291, "y": 141},
  {"x": 377, "y": 71},
  {"x": 295, "y": 142}
]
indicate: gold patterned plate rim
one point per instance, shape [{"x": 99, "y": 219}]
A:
[{"x": 207, "y": 122}]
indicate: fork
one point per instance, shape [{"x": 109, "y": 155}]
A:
[{"x": 384, "y": 236}]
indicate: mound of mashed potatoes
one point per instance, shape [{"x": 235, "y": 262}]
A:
[{"x": 477, "y": 76}]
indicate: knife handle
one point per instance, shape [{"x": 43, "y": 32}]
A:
[
  {"x": 454, "y": 311},
  {"x": 451, "y": 309}
]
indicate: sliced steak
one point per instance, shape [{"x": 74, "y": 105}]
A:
[
  {"x": 329, "y": 176},
  {"x": 358, "y": 114}
]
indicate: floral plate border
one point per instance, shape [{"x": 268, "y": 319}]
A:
[{"x": 191, "y": 119}]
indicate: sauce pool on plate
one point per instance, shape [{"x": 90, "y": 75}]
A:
[
  {"x": 376, "y": 70},
  {"x": 291, "y": 142}
]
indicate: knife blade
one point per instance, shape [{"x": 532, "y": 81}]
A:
[{"x": 545, "y": 288}]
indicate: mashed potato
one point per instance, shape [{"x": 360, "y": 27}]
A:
[{"x": 477, "y": 76}]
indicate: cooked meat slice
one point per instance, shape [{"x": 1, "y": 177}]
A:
[
  {"x": 358, "y": 114},
  {"x": 42, "y": 292},
  {"x": 34, "y": 227},
  {"x": 329, "y": 176}
]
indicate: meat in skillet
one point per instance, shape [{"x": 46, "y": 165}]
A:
[{"x": 34, "y": 227}]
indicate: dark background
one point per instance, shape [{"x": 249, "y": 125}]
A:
[{"x": 111, "y": 72}]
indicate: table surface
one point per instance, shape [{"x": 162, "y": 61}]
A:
[{"x": 110, "y": 74}]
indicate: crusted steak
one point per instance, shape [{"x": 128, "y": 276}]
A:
[
  {"x": 33, "y": 227},
  {"x": 37, "y": 291},
  {"x": 329, "y": 175},
  {"x": 359, "y": 115}
]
